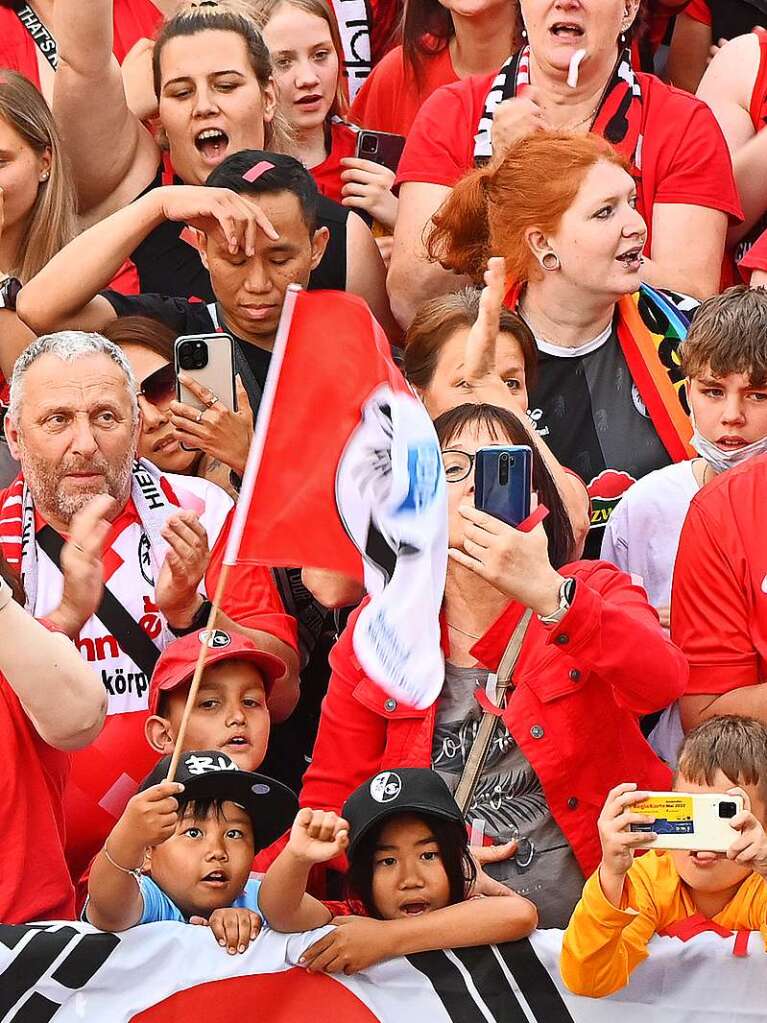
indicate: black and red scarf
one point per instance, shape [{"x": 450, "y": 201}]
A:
[{"x": 618, "y": 117}]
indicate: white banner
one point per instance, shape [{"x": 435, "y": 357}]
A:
[{"x": 167, "y": 972}]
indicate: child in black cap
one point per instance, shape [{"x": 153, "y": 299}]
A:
[
  {"x": 409, "y": 881},
  {"x": 183, "y": 850}
]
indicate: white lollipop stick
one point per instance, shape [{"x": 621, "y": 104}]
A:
[{"x": 575, "y": 63}]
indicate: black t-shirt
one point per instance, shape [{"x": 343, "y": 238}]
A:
[
  {"x": 587, "y": 408},
  {"x": 167, "y": 265},
  {"x": 185, "y": 317},
  {"x": 731, "y": 18}
]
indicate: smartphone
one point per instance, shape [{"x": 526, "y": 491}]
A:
[
  {"x": 699, "y": 822},
  {"x": 209, "y": 359},
  {"x": 381, "y": 147},
  {"x": 503, "y": 481}
]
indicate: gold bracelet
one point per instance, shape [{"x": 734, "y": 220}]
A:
[{"x": 134, "y": 872}]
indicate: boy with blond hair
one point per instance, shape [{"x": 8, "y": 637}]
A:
[{"x": 628, "y": 900}]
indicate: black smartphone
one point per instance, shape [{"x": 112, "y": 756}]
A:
[
  {"x": 503, "y": 481},
  {"x": 381, "y": 147}
]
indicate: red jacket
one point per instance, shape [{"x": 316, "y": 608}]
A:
[{"x": 580, "y": 687}]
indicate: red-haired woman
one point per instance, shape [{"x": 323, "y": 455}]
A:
[
  {"x": 673, "y": 145},
  {"x": 562, "y": 211}
]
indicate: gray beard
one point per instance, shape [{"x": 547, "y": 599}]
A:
[{"x": 44, "y": 482}]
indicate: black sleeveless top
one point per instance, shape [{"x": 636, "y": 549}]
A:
[
  {"x": 731, "y": 18},
  {"x": 165, "y": 264}
]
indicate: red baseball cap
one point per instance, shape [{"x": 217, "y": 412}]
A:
[{"x": 176, "y": 663}]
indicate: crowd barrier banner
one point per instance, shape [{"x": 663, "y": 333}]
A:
[{"x": 171, "y": 972}]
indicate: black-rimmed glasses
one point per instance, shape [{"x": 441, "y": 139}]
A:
[{"x": 458, "y": 464}]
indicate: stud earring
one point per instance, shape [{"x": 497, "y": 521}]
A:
[
  {"x": 550, "y": 261},
  {"x": 45, "y": 175},
  {"x": 524, "y": 33}
]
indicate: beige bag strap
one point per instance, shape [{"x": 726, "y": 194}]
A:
[{"x": 480, "y": 748}]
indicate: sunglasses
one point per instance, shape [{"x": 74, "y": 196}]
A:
[{"x": 159, "y": 387}]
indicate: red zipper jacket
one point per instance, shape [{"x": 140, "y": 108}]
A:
[{"x": 579, "y": 690}]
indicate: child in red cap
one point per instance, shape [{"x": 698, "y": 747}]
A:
[{"x": 230, "y": 712}]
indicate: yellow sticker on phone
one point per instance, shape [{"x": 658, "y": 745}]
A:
[{"x": 673, "y": 815}]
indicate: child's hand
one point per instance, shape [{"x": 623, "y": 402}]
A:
[
  {"x": 150, "y": 816},
  {"x": 750, "y": 847},
  {"x": 318, "y": 835},
  {"x": 618, "y": 843},
  {"x": 234, "y": 929},
  {"x": 355, "y": 943}
]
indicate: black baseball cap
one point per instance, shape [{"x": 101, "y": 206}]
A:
[
  {"x": 404, "y": 790},
  {"x": 211, "y": 774}
]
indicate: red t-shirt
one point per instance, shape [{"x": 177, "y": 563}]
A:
[
  {"x": 133, "y": 20},
  {"x": 755, "y": 258},
  {"x": 699, "y": 10},
  {"x": 684, "y": 156},
  {"x": 327, "y": 175},
  {"x": 34, "y": 879},
  {"x": 390, "y": 97},
  {"x": 719, "y": 597}
]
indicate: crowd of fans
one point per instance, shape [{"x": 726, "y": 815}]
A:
[{"x": 569, "y": 255}]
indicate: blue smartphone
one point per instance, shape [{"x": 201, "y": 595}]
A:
[{"x": 503, "y": 481}]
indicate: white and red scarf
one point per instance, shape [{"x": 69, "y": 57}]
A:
[
  {"x": 131, "y": 566},
  {"x": 618, "y": 117}
]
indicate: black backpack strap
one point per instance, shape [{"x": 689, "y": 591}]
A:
[{"x": 131, "y": 637}]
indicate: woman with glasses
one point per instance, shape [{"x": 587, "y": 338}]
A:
[
  {"x": 593, "y": 659},
  {"x": 148, "y": 346}
]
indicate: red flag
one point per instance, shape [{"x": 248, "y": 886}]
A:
[{"x": 345, "y": 474}]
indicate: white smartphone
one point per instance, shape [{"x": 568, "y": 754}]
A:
[
  {"x": 695, "y": 821},
  {"x": 209, "y": 360}
]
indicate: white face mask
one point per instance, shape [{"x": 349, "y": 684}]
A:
[{"x": 721, "y": 460}]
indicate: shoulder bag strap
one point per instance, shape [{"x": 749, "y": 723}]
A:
[
  {"x": 480, "y": 748},
  {"x": 131, "y": 637}
]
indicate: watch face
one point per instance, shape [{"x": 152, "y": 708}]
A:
[{"x": 569, "y": 590}]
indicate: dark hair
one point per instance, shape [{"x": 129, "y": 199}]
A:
[
  {"x": 728, "y": 334},
  {"x": 200, "y": 809},
  {"x": 504, "y": 425},
  {"x": 438, "y": 319},
  {"x": 734, "y": 745},
  {"x": 285, "y": 174},
  {"x": 153, "y": 334},
  {"x": 12, "y": 579},
  {"x": 427, "y": 28},
  {"x": 453, "y": 843}
]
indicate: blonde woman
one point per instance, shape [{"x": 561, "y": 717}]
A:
[{"x": 37, "y": 213}]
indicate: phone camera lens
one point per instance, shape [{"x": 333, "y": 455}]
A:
[
  {"x": 370, "y": 144},
  {"x": 727, "y": 810}
]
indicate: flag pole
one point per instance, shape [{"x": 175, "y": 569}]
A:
[{"x": 242, "y": 507}]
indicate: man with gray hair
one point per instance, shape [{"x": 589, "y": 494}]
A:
[{"x": 119, "y": 556}]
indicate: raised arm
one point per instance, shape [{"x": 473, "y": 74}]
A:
[
  {"x": 56, "y": 298},
  {"x": 727, "y": 87},
  {"x": 30, "y": 656},
  {"x": 689, "y": 52},
  {"x": 113, "y": 157},
  {"x": 413, "y": 278}
]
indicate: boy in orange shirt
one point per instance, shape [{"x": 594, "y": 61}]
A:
[{"x": 629, "y": 900}]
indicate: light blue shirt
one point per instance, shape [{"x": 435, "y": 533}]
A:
[{"x": 157, "y": 905}]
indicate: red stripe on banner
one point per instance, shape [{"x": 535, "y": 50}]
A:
[
  {"x": 740, "y": 948},
  {"x": 285, "y": 997}
]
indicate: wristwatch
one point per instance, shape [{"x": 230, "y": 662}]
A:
[
  {"x": 9, "y": 289},
  {"x": 566, "y": 597},
  {"x": 199, "y": 621}
]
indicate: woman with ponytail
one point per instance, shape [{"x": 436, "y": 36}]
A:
[{"x": 608, "y": 398}]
